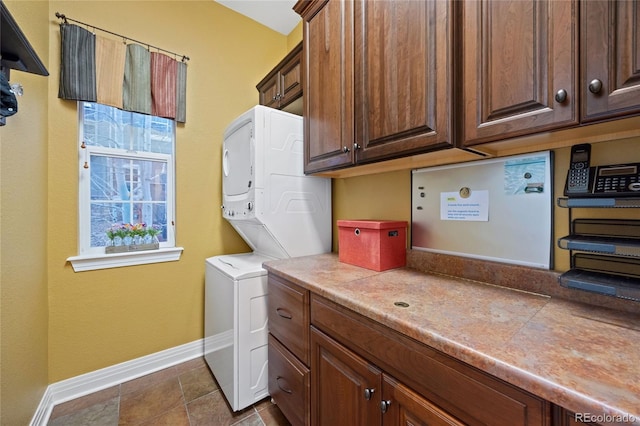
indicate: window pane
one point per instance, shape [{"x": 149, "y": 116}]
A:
[
  {"x": 160, "y": 220},
  {"x": 113, "y": 128},
  {"x": 103, "y": 216},
  {"x": 127, "y": 190}
]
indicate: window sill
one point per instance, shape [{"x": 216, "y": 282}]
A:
[{"x": 117, "y": 260}]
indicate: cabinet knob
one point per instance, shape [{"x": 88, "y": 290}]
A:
[
  {"x": 595, "y": 86},
  {"x": 345, "y": 149},
  {"x": 561, "y": 96},
  {"x": 384, "y": 406},
  {"x": 356, "y": 146},
  {"x": 368, "y": 393}
]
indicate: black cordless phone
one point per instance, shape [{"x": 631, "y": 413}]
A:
[{"x": 578, "y": 176}]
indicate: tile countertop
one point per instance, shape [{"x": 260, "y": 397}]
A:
[{"x": 581, "y": 357}]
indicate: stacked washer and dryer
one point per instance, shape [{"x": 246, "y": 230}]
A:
[{"x": 280, "y": 213}]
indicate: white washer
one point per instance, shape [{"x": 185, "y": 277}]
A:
[{"x": 236, "y": 326}]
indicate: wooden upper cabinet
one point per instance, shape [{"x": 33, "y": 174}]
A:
[
  {"x": 283, "y": 84},
  {"x": 519, "y": 67},
  {"x": 610, "y": 54},
  {"x": 403, "y": 77},
  {"x": 378, "y": 79},
  {"x": 328, "y": 83}
]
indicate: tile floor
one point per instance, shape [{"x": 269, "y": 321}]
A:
[{"x": 186, "y": 394}]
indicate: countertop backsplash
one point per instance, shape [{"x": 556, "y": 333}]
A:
[{"x": 540, "y": 281}]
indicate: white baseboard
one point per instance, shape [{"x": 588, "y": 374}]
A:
[{"x": 104, "y": 378}]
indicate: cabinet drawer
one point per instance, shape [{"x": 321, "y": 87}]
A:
[
  {"x": 463, "y": 391},
  {"x": 289, "y": 383},
  {"x": 288, "y": 306}
]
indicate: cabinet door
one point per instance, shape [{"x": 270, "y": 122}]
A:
[
  {"x": 345, "y": 388},
  {"x": 519, "y": 67},
  {"x": 269, "y": 91},
  {"x": 610, "y": 56},
  {"x": 406, "y": 408},
  {"x": 403, "y": 77},
  {"x": 291, "y": 79},
  {"x": 328, "y": 83}
]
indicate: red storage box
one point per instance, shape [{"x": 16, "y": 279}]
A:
[{"x": 373, "y": 244}]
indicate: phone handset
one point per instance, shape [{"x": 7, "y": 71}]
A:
[{"x": 578, "y": 176}]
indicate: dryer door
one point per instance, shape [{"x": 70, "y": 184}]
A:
[{"x": 237, "y": 159}]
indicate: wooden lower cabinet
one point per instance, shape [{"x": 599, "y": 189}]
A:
[
  {"x": 465, "y": 393},
  {"x": 289, "y": 381},
  {"x": 348, "y": 390},
  {"x": 289, "y": 374},
  {"x": 355, "y": 371}
]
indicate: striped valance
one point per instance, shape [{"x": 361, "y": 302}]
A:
[{"x": 126, "y": 76}]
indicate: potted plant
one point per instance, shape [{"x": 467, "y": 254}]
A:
[{"x": 132, "y": 237}]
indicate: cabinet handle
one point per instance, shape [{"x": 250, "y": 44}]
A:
[
  {"x": 384, "y": 406},
  {"x": 561, "y": 96},
  {"x": 284, "y": 313},
  {"x": 285, "y": 390},
  {"x": 368, "y": 393},
  {"x": 345, "y": 149},
  {"x": 356, "y": 146},
  {"x": 595, "y": 86}
]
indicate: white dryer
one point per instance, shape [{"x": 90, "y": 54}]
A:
[{"x": 280, "y": 213}]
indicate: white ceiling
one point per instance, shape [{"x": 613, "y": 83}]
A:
[{"x": 275, "y": 14}]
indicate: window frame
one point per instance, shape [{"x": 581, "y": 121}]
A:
[{"x": 92, "y": 258}]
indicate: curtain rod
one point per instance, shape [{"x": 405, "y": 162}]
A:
[{"x": 65, "y": 19}]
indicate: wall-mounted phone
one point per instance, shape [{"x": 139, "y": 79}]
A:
[{"x": 616, "y": 180}]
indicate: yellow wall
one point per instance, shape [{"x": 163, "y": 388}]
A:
[
  {"x": 384, "y": 196},
  {"x": 23, "y": 229},
  {"x": 295, "y": 36},
  {"x": 101, "y": 318}
]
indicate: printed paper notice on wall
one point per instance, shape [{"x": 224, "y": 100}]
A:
[{"x": 465, "y": 205}]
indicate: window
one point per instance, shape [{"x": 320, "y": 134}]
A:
[{"x": 126, "y": 163}]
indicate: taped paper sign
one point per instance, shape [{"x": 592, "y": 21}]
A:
[{"x": 473, "y": 207}]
